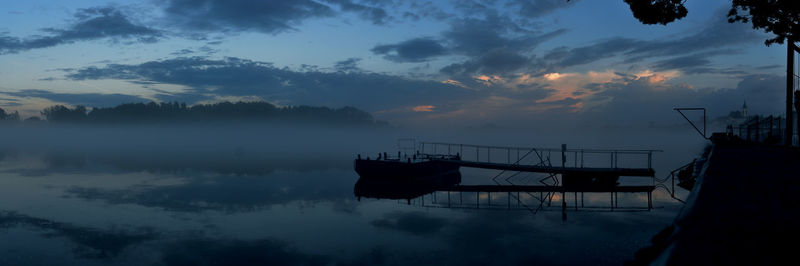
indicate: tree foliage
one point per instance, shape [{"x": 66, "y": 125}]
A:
[
  {"x": 772, "y": 16},
  {"x": 8, "y": 116},
  {"x": 657, "y": 11},
  {"x": 175, "y": 112},
  {"x": 779, "y": 17}
]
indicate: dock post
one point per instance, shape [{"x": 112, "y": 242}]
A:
[
  {"x": 649, "y": 200},
  {"x": 509, "y": 200},
  {"x": 758, "y": 130},
  {"x": 448, "y": 198},
  {"x": 790, "y": 50},
  {"x": 612, "y": 201},
  {"x": 563, "y": 155},
  {"x": 576, "y": 200},
  {"x": 563, "y": 207},
  {"x": 581, "y": 199}
]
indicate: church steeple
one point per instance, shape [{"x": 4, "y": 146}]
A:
[{"x": 744, "y": 109}]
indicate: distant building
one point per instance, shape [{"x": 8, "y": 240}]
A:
[
  {"x": 744, "y": 109},
  {"x": 739, "y": 116}
]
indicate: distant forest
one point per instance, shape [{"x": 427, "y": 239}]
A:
[{"x": 175, "y": 112}]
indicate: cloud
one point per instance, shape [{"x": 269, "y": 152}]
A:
[
  {"x": 272, "y": 17},
  {"x": 493, "y": 44},
  {"x": 415, "y": 223},
  {"x": 423, "y": 108},
  {"x": 91, "y": 242},
  {"x": 414, "y": 50},
  {"x": 473, "y": 37},
  {"x": 209, "y": 251},
  {"x": 540, "y": 7},
  {"x": 643, "y": 99},
  {"x": 693, "y": 48},
  {"x": 242, "y": 77},
  {"x": 85, "y": 99},
  {"x": 350, "y": 64},
  {"x": 494, "y": 62},
  {"x": 91, "y": 24},
  {"x": 374, "y": 13}
]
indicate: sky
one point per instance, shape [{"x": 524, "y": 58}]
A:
[{"x": 464, "y": 63}]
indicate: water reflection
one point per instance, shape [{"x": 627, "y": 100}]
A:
[
  {"x": 196, "y": 209},
  {"x": 89, "y": 242}
]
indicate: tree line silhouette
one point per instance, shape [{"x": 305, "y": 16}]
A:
[{"x": 174, "y": 112}]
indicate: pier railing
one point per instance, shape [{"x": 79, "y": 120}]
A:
[
  {"x": 578, "y": 158},
  {"x": 760, "y": 129}
]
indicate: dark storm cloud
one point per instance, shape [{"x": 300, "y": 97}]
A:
[
  {"x": 241, "y": 77},
  {"x": 414, "y": 50},
  {"x": 86, "y": 99},
  {"x": 242, "y": 15},
  {"x": 91, "y": 24}
]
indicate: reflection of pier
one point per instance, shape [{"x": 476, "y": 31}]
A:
[{"x": 532, "y": 198}]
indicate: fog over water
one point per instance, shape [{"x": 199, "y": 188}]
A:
[{"x": 267, "y": 194}]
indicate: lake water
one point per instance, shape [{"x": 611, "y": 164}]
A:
[{"x": 236, "y": 197}]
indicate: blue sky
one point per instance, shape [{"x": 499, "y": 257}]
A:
[{"x": 464, "y": 63}]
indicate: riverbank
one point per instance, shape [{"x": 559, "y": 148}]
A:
[{"x": 743, "y": 209}]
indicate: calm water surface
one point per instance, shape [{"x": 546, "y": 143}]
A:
[{"x": 172, "y": 207}]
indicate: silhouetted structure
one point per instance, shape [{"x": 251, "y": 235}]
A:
[{"x": 429, "y": 170}]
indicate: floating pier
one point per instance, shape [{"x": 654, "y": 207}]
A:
[{"x": 408, "y": 176}]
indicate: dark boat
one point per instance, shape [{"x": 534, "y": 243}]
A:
[
  {"x": 396, "y": 188},
  {"x": 419, "y": 167}
]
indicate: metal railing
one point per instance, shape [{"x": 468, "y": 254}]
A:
[
  {"x": 659, "y": 183},
  {"x": 577, "y": 158},
  {"x": 760, "y": 129}
]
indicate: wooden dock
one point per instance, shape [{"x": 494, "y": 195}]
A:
[
  {"x": 522, "y": 188},
  {"x": 554, "y": 169}
]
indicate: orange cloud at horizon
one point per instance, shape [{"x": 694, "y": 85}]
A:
[{"x": 423, "y": 108}]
